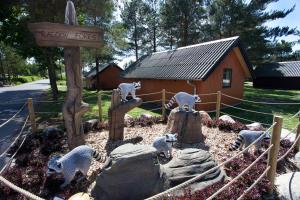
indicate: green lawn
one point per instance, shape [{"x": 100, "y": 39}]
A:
[
  {"x": 268, "y": 95},
  {"x": 253, "y": 94},
  {"x": 89, "y": 97}
]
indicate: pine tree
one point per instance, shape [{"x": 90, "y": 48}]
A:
[
  {"x": 183, "y": 21},
  {"x": 236, "y": 17}
]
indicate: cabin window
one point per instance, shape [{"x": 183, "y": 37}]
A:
[{"x": 227, "y": 78}]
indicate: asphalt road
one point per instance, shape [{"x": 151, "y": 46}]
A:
[{"x": 11, "y": 100}]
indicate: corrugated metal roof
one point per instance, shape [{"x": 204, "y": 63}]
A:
[
  {"x": 279, "y": 69},
  {"x": 193, "y": 62},
  {"x": 102, "y": 66}
]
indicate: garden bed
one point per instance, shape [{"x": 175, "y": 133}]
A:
[{"x": 28, "y": 170}]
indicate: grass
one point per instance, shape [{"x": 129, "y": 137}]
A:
[
  {"x": 253, "y": 94},
  {"x": 268, "y": 95},
  {"x": 89, "y": 97}
]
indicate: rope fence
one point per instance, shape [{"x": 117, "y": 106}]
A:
[
  {"x": 162, "y": 102},
  {"x": 261, "y": 102},
  {"x": 234, "y": 116},
  {"x": 240, "y": 175},
  {"x": 255, "y": 183},
  {"x": 15, "y": 140},
  {"x": 7, "y": 121},
  {"x": 198, "y": 177},
  {"x": 290, "y": 149},
  {"x": 243, "y": 109}
]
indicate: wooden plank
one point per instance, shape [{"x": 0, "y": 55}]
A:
[{"x": 63, "y": 35}]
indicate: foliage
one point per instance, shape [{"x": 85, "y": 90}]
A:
[
  {"x": 183, "y": 22},
  {"x": 230, "y": 18},
  {"x": 233, "y": 169},
  {"x": 225, "y": 126}
]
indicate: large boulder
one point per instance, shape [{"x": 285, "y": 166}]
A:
[
  {"x": 227, "y": 118},
  {"x": 188, "y": 164},
  {"x": 288, "y": 186},
  {"x": 187, "y": 125},
  {"x": 205, "y": 116},
  {"x": 134, "y": 173}
]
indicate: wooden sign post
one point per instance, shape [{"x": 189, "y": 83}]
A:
[{"x": 71, "y": 37}]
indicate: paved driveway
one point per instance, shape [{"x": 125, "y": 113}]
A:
[{"x": 11, "y": 100}]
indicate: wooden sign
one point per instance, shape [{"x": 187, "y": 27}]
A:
[{"x": 62, "y": 35}]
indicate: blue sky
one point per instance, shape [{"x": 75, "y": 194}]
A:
[{"x": 292, "y": 20}]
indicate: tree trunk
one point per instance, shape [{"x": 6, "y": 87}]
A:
[
  {"x": 135, "y": 42},
  {"x": 154, "y": 38},
  {"x": 74, "y": 108},
  {"x": 52, "y": 77},
  {"x": 117, "y": 112},
  {"x": 187, "y": 125},
  {"x": 97, "y": 71}
]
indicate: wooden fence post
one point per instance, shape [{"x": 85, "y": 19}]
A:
[
  {"x": 273, "y": 153},
  {"x": 31, "y": 114},
  {"x": 218, "y": 105},
  {"x": 163, "y": 102},
  {"x": 100, "y": 106},
  {"x": 297, "y": 145}
]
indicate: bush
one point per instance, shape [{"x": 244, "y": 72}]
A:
[{"x": 225, "y": 126}]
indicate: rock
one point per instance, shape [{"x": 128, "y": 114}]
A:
[
  {"x": 52, "y": 133},
  {"x": 285, "y": 133},
  {"x": 188, "y": 164},
  {"x": 128, "y": 119},
  {"x": 297, "y": 159},
  {"x": 146, "y": 116},
  {"x": 205, "y": 116},
  {"x": 134, "y": 173},
  {"x": 256, "y": 126},
  {"x": 80, "y": 196},
  {"x": 227, "y": 118},
  {"x": 288, "y": 186},
  {"x": 187, "y": 125},
  {"x": 90, "y": 125}
]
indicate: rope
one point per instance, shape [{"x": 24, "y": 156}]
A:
[
  {"x": 255, "y": 182},
  {"x": 9, "y": 162},
  {"x": 295, "y": 115},
  {"x": 47, "y": 112},
  {"x": 207, "y": 94},
  {"x": 290, "y": 149},
  {"x": 152, "y": 101},
  {"x": 291, "y": 131},
  {"x": 240, "y": 175},
  {"x": 20, "y": 190},
  {"x": 146, "y": 94},
  {"x": 206, "y": 103},
  {"x": 247, "y": 109},
  {"x": 244, "y": 118},
  {"x": 48, "y": 101},
  {"x": 188, "y": 182},
  {"x": 16, "y": 137},
  {"x": 13, "y": 115},
  {"x": 260, "y": 102}
]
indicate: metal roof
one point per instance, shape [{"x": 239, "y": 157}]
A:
[
  {"x": 193, "y": 62},
  {"x": 102, "y": 67},
  {"x": 279, "y": 69}
]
